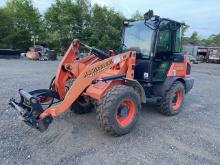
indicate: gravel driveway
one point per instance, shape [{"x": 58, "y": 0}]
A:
[{"x": 192, "y": 137}]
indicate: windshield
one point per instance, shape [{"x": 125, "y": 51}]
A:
[{"x": 138, "y": 37}]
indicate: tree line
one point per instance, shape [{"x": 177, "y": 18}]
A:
[
  {"x": 63, "y": 20},
  {"x": 195, "y": 39},
  {"x": 93, "y": 24}
]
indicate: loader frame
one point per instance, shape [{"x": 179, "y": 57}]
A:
[{"x": 92, "y": 76}]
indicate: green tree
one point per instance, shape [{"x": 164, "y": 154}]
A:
[
  {"x": 25, "y": 20},
  {"x": 106, "y": 25},
  {"x": 194, "y": 38},
  {"x": 212, "y": 39},
  {"x": 6, "y": 34},
  {"x": 65, "y": 20},
  {"x": 97, "y": 26},
  {"x": 215, "y": 38}
]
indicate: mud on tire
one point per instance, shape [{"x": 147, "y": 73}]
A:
[
  {"x": 117, "y": 111},
  {"x": 171, "y": 103}
]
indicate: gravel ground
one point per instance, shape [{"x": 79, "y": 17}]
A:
[{"x": 192, "y": 137}]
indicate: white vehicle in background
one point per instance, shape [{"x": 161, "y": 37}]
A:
[{"x": 214, "y": 55}]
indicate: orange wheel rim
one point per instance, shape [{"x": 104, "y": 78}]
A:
[
  {"x": 125, "y": 112},
  {"x": 177, "y": 100}
]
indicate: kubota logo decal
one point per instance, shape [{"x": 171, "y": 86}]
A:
[{"x": 98, "y": 69}]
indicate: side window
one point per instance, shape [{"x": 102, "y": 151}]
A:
[
  {"x": 169, "y": 37},
  {"x": 178, "y": 40},
  {"x": 164, "y": 41},
  {"x": 138, "y": 37}
]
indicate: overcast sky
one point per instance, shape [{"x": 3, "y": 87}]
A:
[{"x": 203, "y": 16}]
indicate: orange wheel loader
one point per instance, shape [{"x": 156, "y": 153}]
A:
[{"x": 150, "y": 67}]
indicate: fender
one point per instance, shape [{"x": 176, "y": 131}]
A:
[
  {"x": 96, "y": 91},
  {"x": 137, "y": 86},
  {"x": 161, "y": 88}
]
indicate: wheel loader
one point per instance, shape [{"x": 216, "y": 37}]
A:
[{"x": 149, "y": 67}]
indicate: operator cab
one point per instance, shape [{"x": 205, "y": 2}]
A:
[{"x": 157, "y": 42}]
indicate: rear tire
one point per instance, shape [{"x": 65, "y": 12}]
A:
[
  {"x": 171, "y": 103},
  {"x": 117, "y": 111}
]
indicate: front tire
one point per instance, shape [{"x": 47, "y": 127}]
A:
[
  {"x": 171, "y": 103},
  {"x": 117, "y": 111}
]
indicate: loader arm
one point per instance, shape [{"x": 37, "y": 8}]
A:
[
  {"x": 85, "y": 72},
  {"x": 62, "y": 75},
  {"x": 86, "y": 78}
]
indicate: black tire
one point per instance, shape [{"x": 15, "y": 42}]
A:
[
  {"x": 82, "y": 108},
  {"x": 165, "y": 105},
  {"x": 109, "y": 106}
]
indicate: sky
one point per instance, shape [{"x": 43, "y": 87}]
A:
[{"x": 202, "y": 16}]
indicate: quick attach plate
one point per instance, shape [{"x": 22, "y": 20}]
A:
[{"x": 30, "y": 109}]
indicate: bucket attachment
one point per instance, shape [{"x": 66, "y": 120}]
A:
[{"x": 30, "y": 107}]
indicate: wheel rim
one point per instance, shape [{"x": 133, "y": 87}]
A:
[
  {"x": 125, "y": 112},
  {"x": 177, "y": 100}
]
